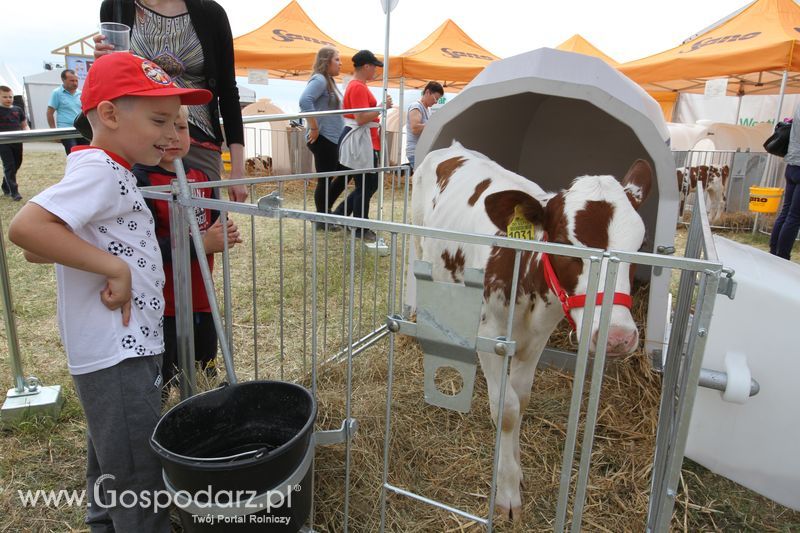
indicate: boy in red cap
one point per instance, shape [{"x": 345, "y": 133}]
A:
[{"x": 95, "y": 226}]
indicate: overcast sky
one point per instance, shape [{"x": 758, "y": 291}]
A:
[{"x": 623, "y": 29}]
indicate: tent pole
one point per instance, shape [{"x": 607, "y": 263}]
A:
[
  {"x": 383, "y": 153},
  {"x": 769, "y": 179},
  {"x": 740, "y": 94},
  {"x": 400, "y": 108},
  {"x": 783, "y": 93},
  {"x": 738, "y": 111}
]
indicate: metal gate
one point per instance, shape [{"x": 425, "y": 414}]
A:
[
  {"x": 333, "y": 299},
  {"x": 321, "y": 302}
]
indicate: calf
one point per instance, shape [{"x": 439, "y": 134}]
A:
[
  {"x": 258, "y": 166},
  {"x": 462, "y": 190},
  {"x": 714, "y": 179}
]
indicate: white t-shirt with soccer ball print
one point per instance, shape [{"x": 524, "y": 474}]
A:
[{"x": 99, "y": 201}]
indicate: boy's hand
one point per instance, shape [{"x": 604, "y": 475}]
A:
[
  {"x": 117, "y": 292},
  {"x": 213, "y": 239}
]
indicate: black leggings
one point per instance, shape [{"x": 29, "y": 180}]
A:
[
  {"x": 326, "y": 159},
  {"x": 357, "y": 202}
]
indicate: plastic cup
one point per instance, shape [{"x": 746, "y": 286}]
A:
[{"x": 117, "y": 34}]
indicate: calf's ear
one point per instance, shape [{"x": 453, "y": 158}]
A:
[
  {"x": 500, "y": 208},
  {"x": 637, "y": 182}
]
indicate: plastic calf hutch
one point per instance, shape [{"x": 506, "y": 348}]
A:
[{"x": 552, "y": 116}]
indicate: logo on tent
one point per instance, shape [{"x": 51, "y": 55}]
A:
[
  {"x": 718, "y": 40},
  {"x": 449, "y": 52},
  {"x": 284, "y": 36}
]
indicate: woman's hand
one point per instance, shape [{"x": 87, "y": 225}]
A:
[
  {"x": 237, "y": 193},
  {"x": 313, "y": 135},
  {"x": 101, "y": 48}
]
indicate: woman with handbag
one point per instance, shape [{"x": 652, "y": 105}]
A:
[{"x": 786, "y": 227}]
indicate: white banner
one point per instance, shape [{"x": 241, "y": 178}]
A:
[
  {"x": 257, "y": 76},
  {"x": 754, "y": 109},
  {"x": 717, "y": 87}
]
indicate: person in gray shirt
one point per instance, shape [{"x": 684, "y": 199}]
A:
[
  {"x": 321, "y": 94},
  {"x": 418, "y": 115},
  {"x": 784, "y": 232}
]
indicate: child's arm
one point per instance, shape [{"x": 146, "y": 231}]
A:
[
  {"x": 31, "y": 257},
  {"x": 47, "y": 237}
]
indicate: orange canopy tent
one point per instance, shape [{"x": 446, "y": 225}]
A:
[
  {"x": 578, "y": 44},
  {"x": 286, "y": 45},
  {"x": 754, "y": 47},
  {"x": 448, "y": 55}
]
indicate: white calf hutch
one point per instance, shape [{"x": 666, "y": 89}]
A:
[{"x": 552, "y": 116}]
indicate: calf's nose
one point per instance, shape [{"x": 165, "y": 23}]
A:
[{"x": 621, "y": 340}]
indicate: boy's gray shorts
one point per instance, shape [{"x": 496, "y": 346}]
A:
[{"x": 122, "y": 405}]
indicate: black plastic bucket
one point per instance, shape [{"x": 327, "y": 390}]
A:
[{"x": 238, "y": 458}]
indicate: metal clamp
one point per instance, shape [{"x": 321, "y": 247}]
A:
[
  {"x": 727, "y": 285},
  {"x": 270, "y": 202},
  {"x": 337, "y": 436}
]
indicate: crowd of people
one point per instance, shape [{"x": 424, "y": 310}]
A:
[{"x": 352, "y": 141}]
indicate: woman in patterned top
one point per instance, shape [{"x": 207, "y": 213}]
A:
[{"x": 191, "y": 40}]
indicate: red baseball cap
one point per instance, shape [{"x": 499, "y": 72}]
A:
[{"x": 123, "y": 74}]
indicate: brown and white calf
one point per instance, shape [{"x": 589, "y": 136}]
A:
[
  {"x": 462, "y": 190},
  {"x": 260, "y": 165},
  {"x": 715, "y": 181}
]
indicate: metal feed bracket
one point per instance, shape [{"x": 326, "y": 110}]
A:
[{"x": 448, "y": 316}]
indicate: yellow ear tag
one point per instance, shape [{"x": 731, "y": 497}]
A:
[{"x": 520, "y": 227}]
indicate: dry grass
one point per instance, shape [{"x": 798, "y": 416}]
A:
[{"x": 434, "y": 452}]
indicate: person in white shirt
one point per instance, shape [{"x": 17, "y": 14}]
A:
[{"x": 95, "y": 226}]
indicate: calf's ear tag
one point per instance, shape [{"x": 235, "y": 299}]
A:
[{"x": 520, "y": 227}]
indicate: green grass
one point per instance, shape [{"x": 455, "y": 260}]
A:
[{"x": 48, "y": 454}]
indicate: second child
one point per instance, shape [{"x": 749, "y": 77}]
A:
[{"x": 205, "y": 335}]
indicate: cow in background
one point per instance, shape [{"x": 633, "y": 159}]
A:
[
  {"x": 260, "y": 165},
  {"x": 715, "y": 184},
  {"x": 462, "y": 190}
]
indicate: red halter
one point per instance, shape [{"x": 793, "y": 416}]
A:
[{"x": 579, "y": 300}]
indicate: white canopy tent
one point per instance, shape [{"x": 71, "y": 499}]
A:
[{"x": 9, "y": 78}]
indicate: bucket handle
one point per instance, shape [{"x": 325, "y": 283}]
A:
[{"x": 255, "y": 453}]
